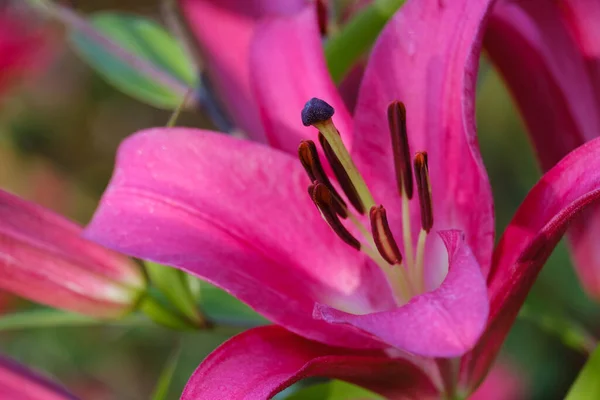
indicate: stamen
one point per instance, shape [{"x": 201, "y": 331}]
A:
[
  {"x": 426, "y": 205},
  {"x": 382, "y": 235},
  {"x": 318, "y": 113},
  {"x": 402, "y": 164},
  {"x": 323, "y": 199},
  {"x": 307, "y": 152},
  {"x": 424, "y": 189},
  {"x": 341, "y": 175}
]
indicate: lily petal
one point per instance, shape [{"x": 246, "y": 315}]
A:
[
  {"x": 564, "y": 191},
  {"x": 550, "y": 57},
  {"x": 237, "y": 214},
  {"x": 288, "y": 68},
  {"x": 261, "y": 362},
  {"x": 427, "y": 57},
  {"x": 443, "y": 323},
  {"x": 20, "y": 383},
  {"x": 44, "y": 258},
  {"x": 223, "y": 29}
]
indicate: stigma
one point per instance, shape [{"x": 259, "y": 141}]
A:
[{"x": 404, "y": 272}]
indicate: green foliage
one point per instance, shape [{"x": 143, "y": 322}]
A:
[
  {"x": 139, "y": 58},
  {"x": 334, "y": 390},
  {"x": 356, "y": 38},
  {"x": 587, "y": 384}
]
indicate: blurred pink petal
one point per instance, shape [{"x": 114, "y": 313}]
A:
[
  {"x": 549, "y": 54},
  {"x": 504, "y": 382},
  {"x": 20, "y": 383},
  {"x": 44, "y": 258},
  {"x": 223, "y": 30},
  {"x": 23, "y": 49},
  {"x": 261, "y": 362}
]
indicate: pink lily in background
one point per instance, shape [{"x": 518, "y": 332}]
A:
[
  {"x": 356, "y": 304},
  {"x": 20, "y": 383},
  {"x": 44, "y": 258},
  {"x": 549, "y": 55},
  {"x": 23, "y": 49}
]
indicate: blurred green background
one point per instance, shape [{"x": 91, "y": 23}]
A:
[{"x": 58, "y": 136}]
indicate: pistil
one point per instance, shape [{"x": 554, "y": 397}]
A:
[{"x": 318, "y": 113}]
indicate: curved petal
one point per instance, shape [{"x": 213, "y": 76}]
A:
[
  {"x": 288, "y": 68},
  {"x": 550, "y": 57},
  {"x": 261, "y": 362},
  {"x": 427, "y": 56},
  {"x": 223, "y": 30},
  {"x": 20, "y": 383},
  {"x": 44, "y": 258},
  {"x": 237, "y": 214},
  {"x": 443, "y": 323},
  {"x": 536, "y": 228}
]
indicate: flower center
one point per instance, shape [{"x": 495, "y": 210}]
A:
[{"x": 405, "y": 275}]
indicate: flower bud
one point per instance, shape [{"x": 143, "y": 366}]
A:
[{"x": 43, "y": 257}]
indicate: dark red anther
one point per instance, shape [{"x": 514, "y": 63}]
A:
[
  {"x": 324, "y": 201},
  {"x": 322, "y": 17},
  {"x": 382, "y": 235},
  {"x": 424, "y": 189},
  {"x": 402, "y": 164},
  {"x": 341, "y": 175},
  {"x": 309, "y": 158}
]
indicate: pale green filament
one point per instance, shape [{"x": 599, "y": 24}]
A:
[
  {"x": 419, "y": 268},
  {"x": 406, "y": 231},
  {"x": 396, "y": 274},
  {"x": 335, "y": 141}
]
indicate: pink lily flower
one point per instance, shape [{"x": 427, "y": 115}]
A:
[
  {"x": 44, "y": 258},
  {"x": 549, "y": 55},
  {"x": 20, "y": 383},
  {"x": 377, "y": 308}
]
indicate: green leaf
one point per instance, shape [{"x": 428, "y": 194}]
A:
[
  {"x": 356, "y": 37},
  {"x": 163, "y": 314},
  {"x": 47, "y": 317},
  {"x": 587, "y": 384},
  {"x": 174, "y": 284},
  {"x": 557, "y": 324},
  {"x": 334, "y": 390},
  {"x": 164, "y": 381},
  {"x": 139, "y": 58},
  {"x": 222, "y": 308}
]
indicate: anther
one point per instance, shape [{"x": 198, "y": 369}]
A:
[
  {"x": 382, "y": 236},
  {"x": 315, "y": 111},
  {"x": 323, "y": 199},
  {"x": 309, "y": 157},
  {"x": 322, "y": 17},
  {"x": 341, "y": 175},
  {"x": 402, "y": 164},
  {"x": 424, "y": 189}
]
